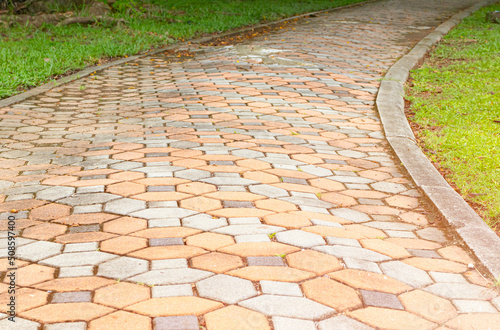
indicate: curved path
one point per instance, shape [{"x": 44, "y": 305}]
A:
[{"x": 233, "y": 187}]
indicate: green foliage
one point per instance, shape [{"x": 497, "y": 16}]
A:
[
  {"x": 30, "y": 56},
  {"x": 456, "y": 100}
]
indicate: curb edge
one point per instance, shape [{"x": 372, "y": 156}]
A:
[{"x": 476, "y": 234}]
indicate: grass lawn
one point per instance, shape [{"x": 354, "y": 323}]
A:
[
  {"x": 31, "y": 56},
  {"x": 455, "y": 102}
]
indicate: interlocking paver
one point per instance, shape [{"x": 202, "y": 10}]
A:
[
  {"x": 341, "y": 251},
  {"x": 300, "y": 238},
  {"x": 380, "y": 299},
  {"x": 121, "y": 320},
  {"x": 71, "y": 297},
  {"x": 280, "y": 288},
  {"x": 406, "y": 274},
  {"x": 332, "y": 293},
  {"x": 228, "y": 289},
  {"x": 179, "y": 290},
  {"x": 461, "y": 291},
  {"x": 287, "y": 306},
  {"x": 282, "y": 323},
  {"x": 186, "y": 322},
  {"x": 261, "y": 161},
  {"x": 78, "y": 259},
  {"x": 66, "y": 326},
  {"x": 428, "y": 306},
  {"x": 175, "y": 306},
  {"x": 122, "y": 267},
  {"x": 390, "y": 318},
  {"x": 342, "y": 322},
  {"x": 38, "y": 250},
  {"x": 171, "y": 276}
]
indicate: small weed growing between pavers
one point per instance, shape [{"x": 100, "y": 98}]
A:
[
  {"x": 271, "y": 236},
  {"x": 455, "y": 97}
]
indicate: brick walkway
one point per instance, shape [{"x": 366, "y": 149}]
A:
[{"x": 244, "y": 187}]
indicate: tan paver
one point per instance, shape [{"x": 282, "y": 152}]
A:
[
  {"x": 428, "y": 306},
  {"x": 121, "y": 320},
  {"x": 369, "y": 281},
  {"x": 66, "y": 312},
  {"x": 331, "y": 293},
  {"x": 172, "y": 306},
  {"x": 121, "y": 294},
  {"x": 258, "y": 249},
  {"x": 234, "y": 317}
]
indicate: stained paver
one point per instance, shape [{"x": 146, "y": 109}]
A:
[{"x": 248, "y": 185}]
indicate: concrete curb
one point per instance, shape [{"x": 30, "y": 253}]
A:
[
  {"x": 87, "y": 71},
  {"x": 390, "y": 103}
]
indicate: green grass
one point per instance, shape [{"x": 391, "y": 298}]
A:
[
  {"x": 456, "y": 100},
  {"x": 31, "y": 56}
]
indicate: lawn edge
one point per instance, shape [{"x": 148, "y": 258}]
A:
[
  {"x": 462, "y": 219},
  {"x": 178, "y": 45}
]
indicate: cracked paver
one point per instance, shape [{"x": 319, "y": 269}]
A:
[{"x": 248, "y": 186}]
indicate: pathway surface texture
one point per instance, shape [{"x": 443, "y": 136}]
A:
[{"x": 241, "y": 187}]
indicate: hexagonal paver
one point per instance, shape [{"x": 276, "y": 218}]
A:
[
  {"x": 167, "y": 252},
  {"x": 300, "y": 238},
  {"x": 271, "y": 273},
  {"x": 50, "y": 212},
  {"x": 369, "y": 281},
  {"x": 250, "y": 249},
  {"x": 122, "y": 320},
  {"x": 171, "y": 276},
  {"x": 162, "y": 213},
  {"x": 297, "y": 307},
  {"x": 227, "y": 289},
  {"x": 172, "y": 306},
  {"x": 122, "y": 267},
  {"x": 32, "y": 274},
  {"x": 217, "y": 262},
  {"x": 78, "y": 259}
]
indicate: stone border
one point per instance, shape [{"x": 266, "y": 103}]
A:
[
  {"x": 390, "y": 103},
  {"x": 87, "y": 71}
]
